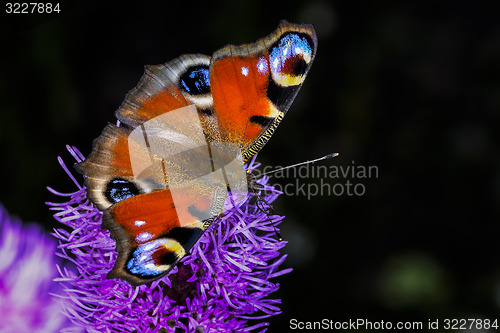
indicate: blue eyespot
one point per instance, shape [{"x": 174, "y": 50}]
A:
[
  {"x": 151, "y": 259},
  {"x": 291, "y": 54},
  {"x": 120, "y": 189},
  {"x": 196, "y": 80}
]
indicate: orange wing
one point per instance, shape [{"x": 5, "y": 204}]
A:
[{"x": 253, "y": 85}]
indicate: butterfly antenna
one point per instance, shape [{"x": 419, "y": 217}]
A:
[{"x": 332, "y": 155}]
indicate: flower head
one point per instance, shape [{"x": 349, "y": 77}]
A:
[
  {"x": 27, "y": 268},
  {"x": 220, "y": 286}
]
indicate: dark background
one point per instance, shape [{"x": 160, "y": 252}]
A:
[{"x": 410, "y": 87}]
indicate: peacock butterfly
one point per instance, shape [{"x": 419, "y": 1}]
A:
[{"x": 162, "y": 174}]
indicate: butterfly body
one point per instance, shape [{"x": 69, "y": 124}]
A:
[{"x": 163, "y": 173}]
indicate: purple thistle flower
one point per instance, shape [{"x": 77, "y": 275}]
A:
[
  {"x": 222, "y": 284},
  {"x": 27, "y": 267}
]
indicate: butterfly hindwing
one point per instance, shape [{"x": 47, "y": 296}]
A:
[{"x": 108, "y": 171}]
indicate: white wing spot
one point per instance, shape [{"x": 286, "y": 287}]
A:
[
  {"x": 244, "y": 71},
  {"x": 262, "y": 65},
  {"x": 143, "y": 236}
]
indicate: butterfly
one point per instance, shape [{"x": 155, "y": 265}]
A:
[{"x": 163, "y": 173}]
